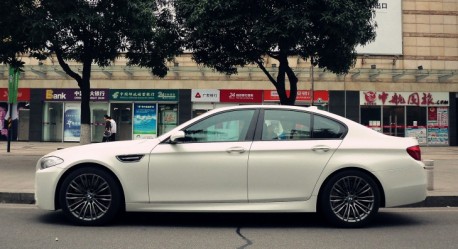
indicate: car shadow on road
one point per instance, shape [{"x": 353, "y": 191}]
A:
[{"x": 251, "y": 220}]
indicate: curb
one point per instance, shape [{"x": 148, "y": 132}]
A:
[
  {"x": 431, "y": 201},
  {"x": 17, "y": 198},
  {"x": 437, "y": 201}
]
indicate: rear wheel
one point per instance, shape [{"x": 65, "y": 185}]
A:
[
  {"x": 350, "y": 199},
  {"x": 90, "y": 196}
]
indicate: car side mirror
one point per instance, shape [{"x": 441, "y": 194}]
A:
[{"x": 177, "y": 136}]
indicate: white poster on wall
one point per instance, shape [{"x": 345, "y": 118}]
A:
[
  {"x": 388, "y": 16},
  {"x": 72, "y": 122}
]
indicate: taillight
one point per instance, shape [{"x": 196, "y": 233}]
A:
[{"x": 415, "y": 152}]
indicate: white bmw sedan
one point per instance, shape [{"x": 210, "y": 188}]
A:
[{"x": 239, "y": 159}]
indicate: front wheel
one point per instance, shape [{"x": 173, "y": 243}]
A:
[
  {"x": 350, "y": 199},
  {"x": 90, "y": 196}
]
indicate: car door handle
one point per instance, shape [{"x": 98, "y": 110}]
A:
[
  {"x": 236, "y": 150},
  {"x": 321, "y": 148}
]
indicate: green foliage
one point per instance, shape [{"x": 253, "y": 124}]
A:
[
  {"x": 15, "y": 27},
  {"x": 98, "y": 34},
  {"x": 75, "y": 30},
  {"x": 225, "y": 34}
]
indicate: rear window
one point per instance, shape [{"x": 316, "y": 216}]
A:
[{"x": 326, "y": 128}]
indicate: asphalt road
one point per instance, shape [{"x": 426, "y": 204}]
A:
[{"x": 25, "y": 226}]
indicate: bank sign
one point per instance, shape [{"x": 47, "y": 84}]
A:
[
  {"x": 74, "y": 95},
  {"x": 143, "y": 95}
]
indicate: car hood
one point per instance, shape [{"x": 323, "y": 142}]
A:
[{"x": 102, "y": 150}]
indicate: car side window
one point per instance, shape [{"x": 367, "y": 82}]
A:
[
  {"x": 285, "y": 125},
  {"x": 229, "y": 126},
  {"x": 326, "y": 128}
]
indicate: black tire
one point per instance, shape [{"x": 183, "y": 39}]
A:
[
  {"x": 350, "y": 199},
  {"x": 90, "y": 196}
]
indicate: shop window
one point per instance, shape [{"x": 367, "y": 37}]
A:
[
  {"x": 416, "y": 123},
  {"x": 371, "y": 117},
  {"x": 168, "y": 117}
]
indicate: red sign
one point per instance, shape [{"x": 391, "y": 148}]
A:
[
  {"x": 23, "y": 94},
  {"x": 241, "y": 96},
  {"x": 319, "y": 96}
]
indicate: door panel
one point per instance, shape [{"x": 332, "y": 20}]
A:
[
  {"x": 208, "y": 165},
  {"x": 287, "y": 170},
  {"x": 290, "y": 153},
  {"x": 199, "y": 172}
]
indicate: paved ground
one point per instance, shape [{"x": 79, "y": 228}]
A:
[{"x": 17, "y": 180}]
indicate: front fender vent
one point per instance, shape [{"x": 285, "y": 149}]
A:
[{"x": 130, "y": 158}]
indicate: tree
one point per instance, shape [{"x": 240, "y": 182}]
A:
[
  {"x": 226, "y": 34},
  {"x": 91, "y": 32}
]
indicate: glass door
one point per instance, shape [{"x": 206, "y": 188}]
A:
[
  {"x": 122, "y": 115},
  {"x": 98, "y": 110},
  {"x": 53, "y": 122},
  {"x": 394, "y": 120}
]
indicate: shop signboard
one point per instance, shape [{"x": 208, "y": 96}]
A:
[
  {"x": 241, "y": 96},
  {"x": 143, "y": 95},
  {"x": 23, "y": 94},
  {"x": 63, "y": 94},
  {"x": 383, "y": 98},
  {"x": 145, "y": 121},
  {"x": 205, "y": 95},
  {"x": 72, "y": 122},
  {"x": 319, "y": 96}
]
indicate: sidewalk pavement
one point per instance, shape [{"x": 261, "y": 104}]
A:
[{"x": 17, "y": 180}]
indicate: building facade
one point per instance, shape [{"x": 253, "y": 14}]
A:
[{"x": 404, "y": 84}]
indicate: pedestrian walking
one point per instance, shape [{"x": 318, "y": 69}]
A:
[
  {"x": 113, "y": 129},
  {"x": 107, "y": 132}
]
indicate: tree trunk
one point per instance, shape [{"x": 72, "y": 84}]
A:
[
  {"x": 285, "y": 70},
  {"x": 85, "y": 86}
]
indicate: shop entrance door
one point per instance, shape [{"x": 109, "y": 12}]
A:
[
  {"x": 52, "y": 122},
  {"x": 394, "y": 120},
  {"x": 122, "y": 115}
]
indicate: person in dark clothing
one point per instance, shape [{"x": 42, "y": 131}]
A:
[{"x": 107, "y": 132}]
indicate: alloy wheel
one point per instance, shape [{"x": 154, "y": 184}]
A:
[
  {"x": 88, "y": 197},
  {"x": 352, "y": 199}
]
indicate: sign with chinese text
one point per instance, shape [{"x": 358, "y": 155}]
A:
[
  {"x": 404, "y": 98},
  {"x": 319, "y": 96},
  {"x": 143, "y": 95},
  {"x": 23, "y": 94},
  {"x": 241, "y": 96},
  {"x": 74, "y": 95},
  {"x": 205, "y": 95}
]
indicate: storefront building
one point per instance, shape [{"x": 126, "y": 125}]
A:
[
  {"x": 61, "y": 114},
  {"x": 423, "y": 115},
  {"x": 405, "y": 83},
  {"x": 143, "y": 113}
]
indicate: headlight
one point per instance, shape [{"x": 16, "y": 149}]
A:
[{"x": 50, "y": 162}]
